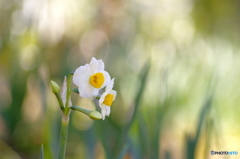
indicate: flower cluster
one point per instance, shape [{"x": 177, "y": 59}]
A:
[{"x": 90, "y": 79}]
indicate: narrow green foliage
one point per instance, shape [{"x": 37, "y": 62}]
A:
[
  {"x": 124, "y": 151},
  {"x": 143, "y": 77},
  {"x": 75, "y": 90},
  {"x": 193, "y": 140}
]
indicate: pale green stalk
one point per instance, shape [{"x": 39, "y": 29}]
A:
[
  {"x": 60, "y": 101},
  {"x": 95, "y": 115},
  {"x": 42, "y": 152},
  {"x": 65, "y": 121},
  {"x": 63, "y": 137}
]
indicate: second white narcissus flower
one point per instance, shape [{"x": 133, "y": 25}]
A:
[
  {"x": 106, "y": 99},
  {"x": 90, "y": 78}
]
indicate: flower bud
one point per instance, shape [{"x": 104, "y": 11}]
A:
[
  {"x": 55, "y": 87},
  {"x": 95, "y": 115}
]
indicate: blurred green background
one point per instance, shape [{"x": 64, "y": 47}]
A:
[{"x": 176, "y": 65}]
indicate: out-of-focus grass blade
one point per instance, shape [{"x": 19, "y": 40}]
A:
[
  {"x": 208, "y": 136},
  {"x": 192, "y": 141},
  {"x": 150, "y": 137},
  {"x": 42, "y": 152},
  {"x": 6, "y": 152},
  {"x": 168, "y": 154},
  {"x": 18, "y": 91},
  {"x": 143, "y": 77},
  {"x": 143, "y": 136},
  {"x": 107, "y": 135},
  {"x": 123, "y": 151},
  {"x": 203, "y": 115}
]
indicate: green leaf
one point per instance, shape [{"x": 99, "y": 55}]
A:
[
  {"x": 193, "y": 140},
  {"x": 123, "y": 151},
  {"x": 143, "y": 77},
  {"x": 75, "y": 90}
]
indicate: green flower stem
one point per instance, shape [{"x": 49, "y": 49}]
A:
[
  {"x": 65, "y": 121},
  {"x": 63, "y": 137},
  {"x": 42, "y": 152},
  {"x": 93, "y": 114},
  {"x": 84, "y": 111},
  {"x": 60, "y": 101}
]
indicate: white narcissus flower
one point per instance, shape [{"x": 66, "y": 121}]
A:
[
  {"x": 106, "y": 99},
  {"x": 90, "y": 78}
]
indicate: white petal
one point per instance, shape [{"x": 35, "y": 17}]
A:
[
  {"x": 100, "y": 65},
  {"x": 81, "y": 73},
  {"x": 86, "y": 71},
  {"x": 83, "y": 81},
  {"x": 107, "y": 78},
  {"x": 89, "y": 69},
  {"x": 88, "y": 92},
  {"x": 103, "y": 112},
  {"x": 77, "y": 75},
  {"x": 94, "y": 93},
  {"x": 93, "y": 60},
  {"x": 107, "y": 110},
  {"x": 94, "y": 66},
  {"x": 109, "y": 86}
]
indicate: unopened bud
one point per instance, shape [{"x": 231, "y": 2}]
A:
[
  {"x": 95, "y": 115},
  {"x": 55, "y": 87}
]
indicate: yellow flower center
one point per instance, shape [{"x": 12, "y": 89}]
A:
[
  {"x": 108, "y": 100},
  {"x": 97, "y": 80}
]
